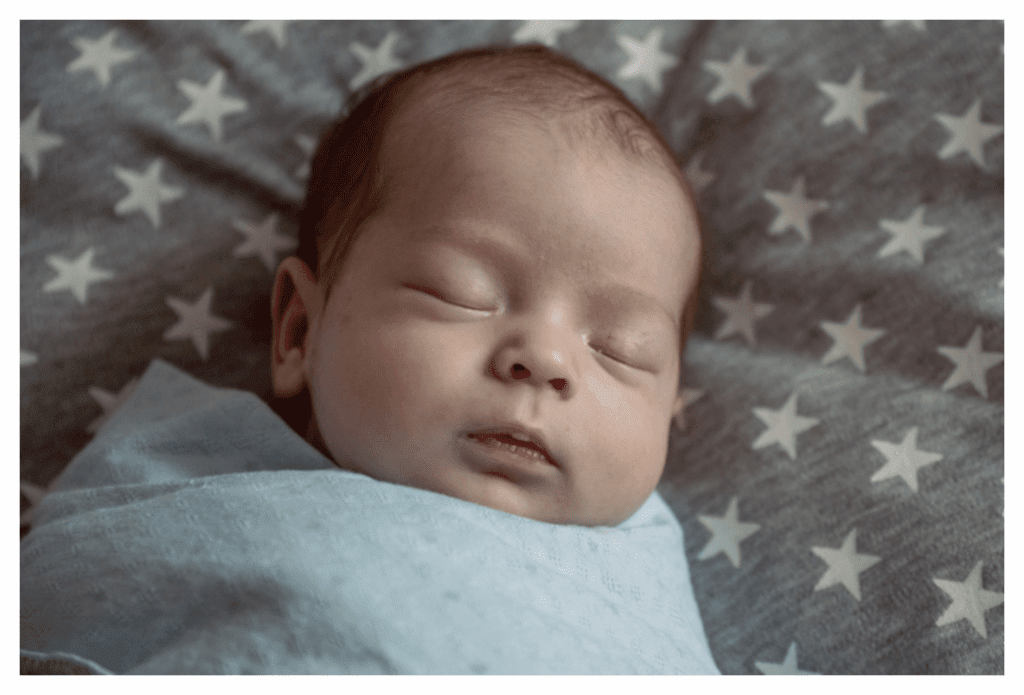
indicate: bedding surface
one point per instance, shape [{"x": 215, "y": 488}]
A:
[
  {"x": 839, "y": 471},
  {"x": 198, "y": 534}
]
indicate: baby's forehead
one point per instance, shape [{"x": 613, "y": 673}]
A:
[{"x": 434, "y": 125}]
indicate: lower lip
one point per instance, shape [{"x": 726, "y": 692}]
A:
[{"x": 496, "y": 451}]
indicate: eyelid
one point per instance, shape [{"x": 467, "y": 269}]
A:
[
  {"x": 615, "y": 357},
  {"x": 440, "y": 297}
]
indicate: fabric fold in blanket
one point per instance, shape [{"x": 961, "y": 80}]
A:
[{"x": 197, "y": 533}]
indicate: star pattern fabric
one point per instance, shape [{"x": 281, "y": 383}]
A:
[
  {"x": 783, "y": 426},
  {"x": 736, "y": 77},
  {"x": 795, "y": 210},
  {"x": 850, "y": 101},
  {"x": 146, "y": 192},
  {"x": 849, "y": 339},
  {"x": 196, "y": 322},
  {"x": 308, "y": 147},
  {"x": 647, "y": 61},
  {"x": 35, "y": 141},
  {"x": 727, "y": 532},
  {"x": 377, "y": 61},
  {"x": 545, "y": 31},
  {"x": 970, "y": 601},
  {"x": 909, "y": 235},
  {"x": 967, "y": 134},
  {"x": 903, "y": 459},
  {"x": 276, "y": 28},
  {"x": 972, "y": 363},
  {"x": 75, "y": 275},
  {"x": 110, "y": 402},
  {"x": 33, "y": 493},
  {"x": 696, "y": 175},
  {"x": 263, "y": 240},
  {"x": 845, "y": 565},
  {"x": 689, "y": 396},
  {"x": 742, "y": 313},
  {"x": 99, "y": 56},
  {"x": 916, "y": 24},
  {"x": 209, "y": 106},
  {"x": 788, "y": 666}
]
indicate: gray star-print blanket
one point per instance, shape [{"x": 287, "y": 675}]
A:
[{"x": 839, "y": 469}]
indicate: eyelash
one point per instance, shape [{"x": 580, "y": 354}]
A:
[
  {"x": 440, "y": 297},
  {"x": 613, "y": 357}
]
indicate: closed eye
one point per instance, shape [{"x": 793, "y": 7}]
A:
[
  {"x": 437, "y": 295},
  {"x": 613, "y": 356}
]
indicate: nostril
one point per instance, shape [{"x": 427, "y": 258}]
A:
[
  {"x": 559, "y": 384},
  {"x": 519, "y": 371}
]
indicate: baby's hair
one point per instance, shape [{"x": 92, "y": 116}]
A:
[{"x": 347, "y": 178}]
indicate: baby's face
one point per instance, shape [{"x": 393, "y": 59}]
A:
[{"x": 511, "y": 287}]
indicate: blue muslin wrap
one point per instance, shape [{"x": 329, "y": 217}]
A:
[{"x": 197, "y": 533}]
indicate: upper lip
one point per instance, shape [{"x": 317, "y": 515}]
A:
[{"x": 519, "y": 431}]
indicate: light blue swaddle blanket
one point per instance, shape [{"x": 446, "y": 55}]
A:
[{"x": 197, "y": 533}]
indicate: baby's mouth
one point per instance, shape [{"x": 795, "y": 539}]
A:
[{"x": 510, "y": 443}]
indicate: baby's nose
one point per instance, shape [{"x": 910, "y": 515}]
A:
[{"x": 520, "y": 371}]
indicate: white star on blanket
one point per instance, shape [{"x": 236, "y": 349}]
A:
[
  {"x": 916, "y": 24},
  {"x": 262, "y": 240},
  {"x": 850, "y": 101},
  {"x": 698, "y": 177},
  {"x": 196, "y": 322},
  {"x": 795, "y": 210},
  {"x": 110, "y": 402},
  {"x": 146, "y": 192},
  {"x": 783, "y": 426},
  {"x": 727, "y": 532},
  {"x": 99, "y": 56},
  {"x": 308, "y": 147},
  {"x": 75, "y": 275},
  {"x": 971, "y": 364},
  {"x": 742, "y": 313},
  {"x": 903, "y": 459},
  {"x": 967, "y": 133},
  {"x": 646, "y": 59},
  {"x": 970, "y": 601},
  {"x": 909, "y": 235},
  {"x": 786, "y": 668},
  {"x": 689, "y": 396},
  {"x": 276, "y": 28},
  {"x": 35, "y": 141},
  {"x": 844, "y": 565},
  {"x": 376, "y": 61},
  {"x": 209, "y": 106},
  {"x": 735, "y": 78},
  {"x": 546, "y": 31},
  {"x": 849, "y": 339}
]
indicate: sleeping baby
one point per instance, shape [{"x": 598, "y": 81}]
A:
[{"x": 477, "y": 350}]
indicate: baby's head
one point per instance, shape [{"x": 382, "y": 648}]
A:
[{"x": 496, "y": 247}]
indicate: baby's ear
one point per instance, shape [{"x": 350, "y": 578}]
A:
[{"x": 294, "y": 308}]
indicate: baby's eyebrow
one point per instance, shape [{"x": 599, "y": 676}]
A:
[
  {"x": 636, "y": 301},
  {"x": 501, "y": 251}
]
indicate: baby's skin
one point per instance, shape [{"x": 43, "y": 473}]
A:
[{"x": 506, "y": 327}]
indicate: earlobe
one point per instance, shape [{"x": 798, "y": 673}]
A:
[{"x": 295, "y": 305}]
